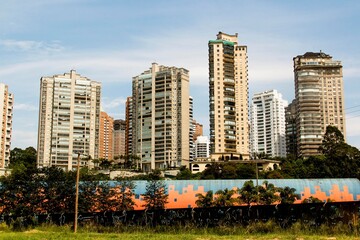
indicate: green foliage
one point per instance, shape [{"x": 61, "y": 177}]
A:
[
  {"x": 184, "y": 174},
  {"x": 205, "y": 201},
  {"x": 155, "y": 195},
  {"x": 311, "y": 199},
  {"x": 229, "y": 170},
  {"x": 287, "y": 195},
  {"x": 268, "y": 193},
  {"x": 248, "y": 193},
  {"x": 338, "y": 160},
  {"x": 25, "y": 157},
  {"x": 123, "y": 194},
  {"x": 224, "y": 198}
]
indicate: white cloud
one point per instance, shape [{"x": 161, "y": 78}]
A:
[
  {"x": 25, "y": 107},
  {"x": 108, "y": 104},
  {"x": 24, "y": 138},
  {"x": 26, "y": 46}
]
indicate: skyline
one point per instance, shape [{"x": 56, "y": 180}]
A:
[{"x": 111, "y": 42}]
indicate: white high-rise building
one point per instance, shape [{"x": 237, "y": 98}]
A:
[
  {"x": 161, "y": 117},
  {"x": 69, "y": 118},
  {"x": 6, "y": 113},
  {"x": 202, "y": 147},
  {"x": 267, "y": 134}
]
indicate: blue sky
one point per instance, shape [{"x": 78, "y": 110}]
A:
[{"x": 112, "y": 41}]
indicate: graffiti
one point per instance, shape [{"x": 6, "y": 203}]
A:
[{"x": 310, "y": 215}]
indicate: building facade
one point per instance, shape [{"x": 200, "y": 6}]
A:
[
  {"x": 161, "y": 121},
  {"x": 106, "y": 137},
  {"x": 319, "y": 99},
  {"x": 6, "y": 113},
  {"x": 228, "y": 97},
  {"x": 69, "y": 118},
  {"x": 290, "y": 126},
  {"x": 119, "y": 138},
  {"x": 267, "y": 133},
  {"x": 198, "y": 130},
  {"x": 202, "y": 147},
  {"x": 128, "y": 129}
]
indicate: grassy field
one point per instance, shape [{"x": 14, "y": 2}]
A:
[
  {"x": 89, "y": 232},
  {"x": 40, "y": 235},
  {"x": 261, "y": 231}
]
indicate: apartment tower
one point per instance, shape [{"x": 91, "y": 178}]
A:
[
  {"x": 202, "y": 147},
  {"x": 161, "y": 121},
  {"x": 106, "y": 138},
  {"x": 69, "y": 116},
  {"x": 119, "y": 138},
  {"x": 198, "y": 130},
  {"x": 319, "y": 99},
  {"x": 128, "y": 129},
  {"x": 290, "y": 129},
  {"x": 228, "y": 98},
  {"x": 6, "y": 113},
  {"x": 268, "y": 124}
]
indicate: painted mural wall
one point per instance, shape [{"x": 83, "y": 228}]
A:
[{"x": 182, "y": 193}]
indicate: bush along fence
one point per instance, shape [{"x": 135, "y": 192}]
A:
[{"x": 311, "y": 215}]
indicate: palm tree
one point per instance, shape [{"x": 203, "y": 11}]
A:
[
  {"x": 205, "y": 201},
  {"x": 267, "y": 193},
  {"x": 224, "y": 198},
  {"x": 287, "y": 195},
  {"x": 248, "y": 193}
]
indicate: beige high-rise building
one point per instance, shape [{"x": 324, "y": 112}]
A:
[
  {"x": 129, "y": 129},
  {"x": 161, "y": 122},
  {"x": 69, "y": 118},
  {"x": 119, "y": 138},
  {"x": 198, "y": 130},
  {"x": 6, "y": 113},
  {"x": 319, "y": 99},
  {"x": 106, "y": 138},
  {"x": 228, "y": 93}
]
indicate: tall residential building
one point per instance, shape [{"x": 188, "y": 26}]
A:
[
  {"x": 69, "y": 118},
  {"x": 106, "y": 138},
  {"x": 191, "y": 130},
  {"x": 161, "y": 121},
  {"x": 198, "y": 130},
  {"x": 228, "y": 97},
  {"x": 268, "y": 124},
  {"x": 129, "y": 129},
  {"x": 6, "y": 113},
  {"x": 202, "y": 147},
  {"x": 119, "y": 138},
  {"x": 319, "y": 99},
  {"x": 290, "y": 126}
]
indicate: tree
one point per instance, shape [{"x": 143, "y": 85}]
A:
[
  {"x": 311, "y": 199},
  {"x": 332, "y": 138},
  {"x": 229, "y": 171},
  {"x": 246, "y": 171},
  {"x": 123, "y": 194},
  {"x": 213, "y": 171},
  {"x": 248, "y": 193},
  {"x": 26, "y": 157},
  {"x": 184, "y": 174},
  {"x": 205, "y": 201},
  {"x": 20, "y": 191},
  {"x": 287, "y": 195},
  {"x": 155, "y": 195},
  {"x": 224, "y": 198},
  {"x": 267, "y": 193},
  {"x": 58, "y": 190}
]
